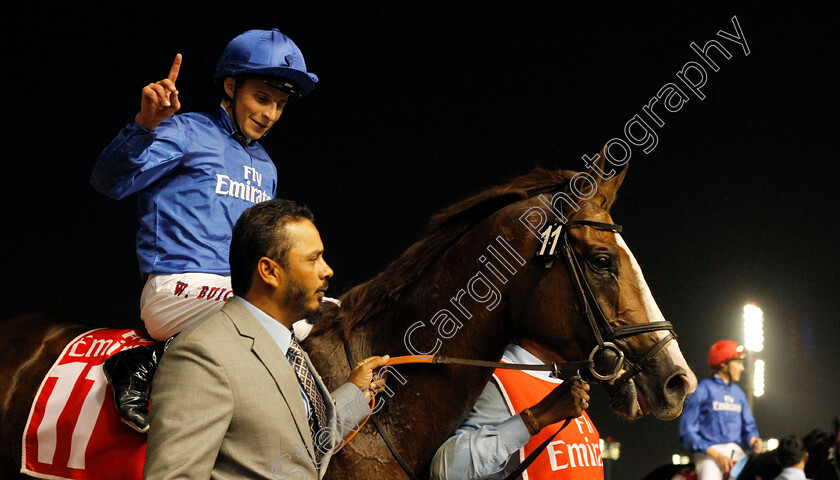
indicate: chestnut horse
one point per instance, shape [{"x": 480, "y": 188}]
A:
[
  {"x": 458, "y": 293},
  {"x": 471, "y": 286}
]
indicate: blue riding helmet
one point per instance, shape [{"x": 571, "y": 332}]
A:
[{"x": 267, "y": 53}]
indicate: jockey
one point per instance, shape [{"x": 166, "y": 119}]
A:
[
  {"x": 717, "y": 423},
  {"x": 195, "y": 173}
]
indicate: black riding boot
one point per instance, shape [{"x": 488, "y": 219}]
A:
[{"x": 130, "y": 374}]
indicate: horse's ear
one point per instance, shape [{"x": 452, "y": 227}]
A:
[{"x": 607, "y": 178}]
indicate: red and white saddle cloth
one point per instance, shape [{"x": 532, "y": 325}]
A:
[{"x": 74, "y": 431}]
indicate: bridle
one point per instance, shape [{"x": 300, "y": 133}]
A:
[{"x": 604, "y": 332}]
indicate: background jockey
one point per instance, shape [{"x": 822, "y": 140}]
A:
[
  {"x": 514, "y": 414},
  {"x": 717, "y": 421},
  {"x": 195, "y": 174}
]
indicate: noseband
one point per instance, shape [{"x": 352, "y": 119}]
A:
[{"x": 604, "y": 332}]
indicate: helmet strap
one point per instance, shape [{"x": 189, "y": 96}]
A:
[{"x": 237, "y": 131}]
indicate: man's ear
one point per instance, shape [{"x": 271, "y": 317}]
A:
[
  {"x": 270, "y": 272},
  {"x": 230, "y": 86}
]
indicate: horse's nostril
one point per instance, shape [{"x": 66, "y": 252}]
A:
[{"x": 676, "y": 386}]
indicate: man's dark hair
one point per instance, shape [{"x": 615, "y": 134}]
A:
[
  {"x": 260, "y": 232},
  {"x": 790, "y": 452}
]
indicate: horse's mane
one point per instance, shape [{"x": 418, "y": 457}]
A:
[{"x": 365, "y": 300}]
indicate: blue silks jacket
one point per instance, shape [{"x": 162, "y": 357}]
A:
[
  {"x": 716, "y": 413},
  {"x": 193, "y": 181}
]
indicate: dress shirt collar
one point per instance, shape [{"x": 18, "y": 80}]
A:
[
  {"x": 791, "y": 473},
  {"x": 282, "y": 336}
]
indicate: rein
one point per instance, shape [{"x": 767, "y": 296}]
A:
[
  {"x": 386, "y": 437},
  {"x": 555, "y": 368}
]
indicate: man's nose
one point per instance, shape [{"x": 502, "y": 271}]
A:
[
  {"x": 327, "y": 272},
  {"x": 274, "y": 112}
]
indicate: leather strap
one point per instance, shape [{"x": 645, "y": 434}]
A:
[
  {"x": 386, "y": 437},
  {"x": 536, "y": 453},
  {"x": 550, "y": 367}
]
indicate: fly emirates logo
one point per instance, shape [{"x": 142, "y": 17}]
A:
[
  {"x": 585, "y": 453},
  {"x": 728, "y": 404},
  {"x": 247, "y": 190}
]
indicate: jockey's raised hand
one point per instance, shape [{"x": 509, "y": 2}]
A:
[{"x": 159, "y": 100}]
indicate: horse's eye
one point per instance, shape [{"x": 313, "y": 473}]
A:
[{"x": 601, "y": 262}]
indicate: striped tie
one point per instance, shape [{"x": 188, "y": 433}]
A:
[{"x": 316, "y": 402}]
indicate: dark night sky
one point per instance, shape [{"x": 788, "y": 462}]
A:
[{"x": 420, "y": 106}]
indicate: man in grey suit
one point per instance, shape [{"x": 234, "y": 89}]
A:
[{"x": 234, "y": 396}]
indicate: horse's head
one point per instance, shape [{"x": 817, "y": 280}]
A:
[
  {"x": 475, "y": 282},
  {"x": 499, "y": 255},
  {"x": 583, "y": 296}
]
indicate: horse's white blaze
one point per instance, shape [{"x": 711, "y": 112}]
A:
[{"x": 655, "y": 315}]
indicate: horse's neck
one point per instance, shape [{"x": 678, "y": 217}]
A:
[
  {"x": 456, "y": 308},
  {"x": 422, "y": 403},
  {"x": 435, "y": 317}
]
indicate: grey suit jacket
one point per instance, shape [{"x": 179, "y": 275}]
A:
[{"x": 226, "y": 404}]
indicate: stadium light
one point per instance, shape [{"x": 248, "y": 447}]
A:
[
  {"x": 610, "y": 449},
  {"x": 758, "y": 378},
  {"x": 754, "y": 342},
  {"x": 753, "y": 328}
]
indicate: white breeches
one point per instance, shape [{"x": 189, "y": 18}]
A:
[
  {"x": 705, "y": 466},
  {"x": 172, "y": 302}
]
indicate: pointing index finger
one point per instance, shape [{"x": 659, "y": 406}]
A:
[{"x": 176, "y": 67}]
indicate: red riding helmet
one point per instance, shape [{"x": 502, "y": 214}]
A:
[{"x": 724, "y": 351}]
